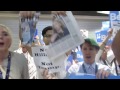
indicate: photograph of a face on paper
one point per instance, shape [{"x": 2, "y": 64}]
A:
[
  {"x": 66, "y": 35},
  {"x": 60, "y": 30}
]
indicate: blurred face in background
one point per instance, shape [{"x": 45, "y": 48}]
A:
[
  {"x": 5, "y": 38},
  {"x": 47, "y": 37},
  {"x": 24, "y": 50},
  {"x": 104, "y": 54}
]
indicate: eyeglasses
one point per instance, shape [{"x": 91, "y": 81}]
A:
[
  {"x": 1, "y": 77},
  {"x": 48, "y": 36}
]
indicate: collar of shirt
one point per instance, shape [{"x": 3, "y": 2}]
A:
[{"x": 88, "y": 65}]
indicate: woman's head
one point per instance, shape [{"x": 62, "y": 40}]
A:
[
  {"x": 58, "y": 26},
  {"x": 5, "y": 38},
  {"x": 89, "y": 49}
]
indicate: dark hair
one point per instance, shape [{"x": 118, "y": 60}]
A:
[
  {"x": 46, "y": 29},
  {"x": 86, "y": 41}
]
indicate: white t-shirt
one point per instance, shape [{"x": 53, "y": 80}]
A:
[{"x": 110, "y": 56}]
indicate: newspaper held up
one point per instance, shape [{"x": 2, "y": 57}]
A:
[
  {"x": 28, "y": 28},
  {"x": 66, "y": 35}
]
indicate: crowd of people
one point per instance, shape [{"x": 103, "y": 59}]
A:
[{"x": 19, "y": 64}]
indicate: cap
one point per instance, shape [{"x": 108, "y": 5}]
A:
[{"x": 92, "y": 42}]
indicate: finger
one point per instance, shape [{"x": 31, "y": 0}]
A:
[
  {"x": 63, "y": 13},
  {"x": 31, "y": 14},
  {"x": 103, "y": 74},
  {"x": 28, "y": 14},
  {"x": 21, "y": 13},
  {"x": 53, "y": 75},
  {"x": 54, "y": 78},
  {"x": 24, "y": 14},
  {"x": 107, "y": 74},
  {"x": 45, "y": 72},
  {"x": 48, "y": 77},
  {"x": 54, "y": 12},
  {"x": 99, "y": 73},
  {"x": 59, "y": 12}
]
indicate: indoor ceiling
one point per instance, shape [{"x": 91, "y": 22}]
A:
[{"x": 88, "y": 13}]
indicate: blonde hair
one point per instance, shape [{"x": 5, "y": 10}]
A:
[{"x": 6, "y": 29}]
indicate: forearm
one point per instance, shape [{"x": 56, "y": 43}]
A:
[{"x": 102, "y": 46}]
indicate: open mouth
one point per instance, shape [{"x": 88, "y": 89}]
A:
[
  {"x": 1, "y": 43},
  {"x": 88, "y": 57}
]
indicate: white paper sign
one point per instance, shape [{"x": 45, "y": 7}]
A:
[
  {"x": 115, "y": 21},
  {"x": 42, "y": 61}
]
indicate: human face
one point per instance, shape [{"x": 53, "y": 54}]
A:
[
  {"x": 24, "y": 50},
  {"x": 47, "y": 37},
  {"x": 104, "y": 55},
  {"x": 5, "y": 39},
  {"x": 57, "y": 27},
  {"x": 89, "y": 53}
]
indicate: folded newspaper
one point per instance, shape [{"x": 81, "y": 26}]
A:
[
  {"x": 28, "y": 28},
  {"x": 66, "y": 35}
]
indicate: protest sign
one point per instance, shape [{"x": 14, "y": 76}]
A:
[
  {"x": 79, "y": 56},
  {"x": 42, "y": 61},
  {"x": 115, "y": 21},
  {"x": 66, "y": 38},
  {"x": 102, "y": 34}
]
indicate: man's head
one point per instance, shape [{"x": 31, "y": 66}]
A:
[
  {"x": 105, "y": 52},
  {"x": 24, "y": 49},
  {"x": 89, "y": 49},
  {"x": 47, "y": 34}
]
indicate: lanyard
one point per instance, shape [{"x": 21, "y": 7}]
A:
[
  {"x": 84, "y": 69},
  {"x": 8, "y": 66}
]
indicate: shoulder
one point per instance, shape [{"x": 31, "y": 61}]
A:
[
  {"x": 15, "y": 54},
  {"x": 18, "y": 50},
  {"x": 16, "y": 57}
]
